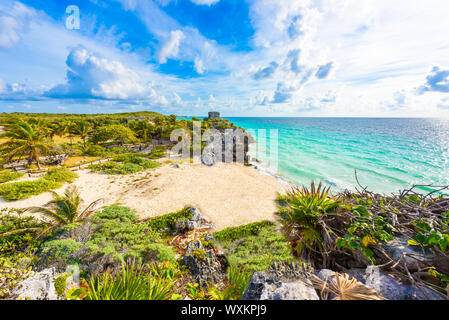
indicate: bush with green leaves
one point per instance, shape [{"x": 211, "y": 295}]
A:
[
  {"x": 54, "y": 179},
  {"x": 255, "y": 251},
  {"x": 234, "y": 233},
  {"x": 95, "y": 150},
  {"x": 13, "y": 242},
  {"x": 61, "y": 174},
  {"x": 10, "y": 176},
  {"x": 60, "y": 284},
  {"x": 127, "y": 163},
  {"x": 114, "y": 232},
  {"x": 128, "y": 157},
  {"x": 25, "y": 189},
  {"x": 157, "y": 153},
  {"x": 11, "y": 274},
  {"x": 118, "y": 233},
  {"x": 166, "y": 223},
  {"x": 59, "y": 251},
  {"x": 428, "y": 236}
]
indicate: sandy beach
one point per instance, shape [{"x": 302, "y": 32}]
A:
[{"x": 227, "y": 194}]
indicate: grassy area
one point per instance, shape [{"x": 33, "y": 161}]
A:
[
  {"x": 255, "y": 246},
  {"x": 54, "y": 179},
  {"x": 77, "y": 160},
  {"x": 66, "y": 139},
  {"x": 10, "y": 176},
  {"x": 127, "y": 163}
]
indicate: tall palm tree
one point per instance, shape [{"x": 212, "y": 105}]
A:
[
  {"x": 82, "y": 129},
  {"x": 23, "y": 139},
  {"x": 65, "y": 209},
  {"x": 65, "y": 127},
  {"x": 142, "y": 129}
]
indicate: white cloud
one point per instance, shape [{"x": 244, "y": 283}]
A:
[
  {"x": 198, "y": 2},
  {"x": 170, "y": 48},
  {"x": 199, "y": 65},
  {"x": 177, "y": 98},
  {"x": 205, "y": 2},
  {"x": 90, "y": 76},
  {"x": 14, "y": 21}
]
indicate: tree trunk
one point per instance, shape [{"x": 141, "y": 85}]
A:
[{"x": 36, "y": 158}]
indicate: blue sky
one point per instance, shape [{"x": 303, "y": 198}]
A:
[{"x": 240, "y": 57}]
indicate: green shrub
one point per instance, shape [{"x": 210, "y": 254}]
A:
[
  {"x": 167, "y": 222},
  {"x": 23, "y": 242},
  {"x": 127, "y": 157},
  {"x": 60, "y": 284},
  {"x": 103, "y": 166},
  {"x": 95, "y": 151},
  {"x": 258, "y": 252},
  {"x": 61, "y": 174},
  {"x": 234, "y": 233},
  {"x": 126, "y": 168},
  {"x": 60, "y": 250},
  {"x": 157, "y": 154},
  {"x": 127, "y": 163},
  {"x": 116, "y": 214},
  {"x": 239, "y": 278},
  {"x": 10, "y": 176},
  {"x": 119, "y": 234},
  {"x": 25, "y": 189},
  {"x": 11, "y": 274},
  {"x": 158, "y": 252}
]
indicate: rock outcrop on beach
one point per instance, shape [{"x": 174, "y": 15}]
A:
[
  {"x": 203, "y": 264},
  {"x": 228, "y": 146},
  {"x": 196, "y": 221}
]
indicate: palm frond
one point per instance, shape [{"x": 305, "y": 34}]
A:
[
  {"x": 344, "y": 288},
  {"x": 19, "y": 231}
]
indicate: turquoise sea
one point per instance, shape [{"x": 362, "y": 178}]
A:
[{"x": 389, "y": 154}]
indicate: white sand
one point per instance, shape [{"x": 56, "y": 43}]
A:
[{"x": 227, "y": 194}]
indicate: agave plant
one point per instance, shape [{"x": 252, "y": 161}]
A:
[
  {"x": 129, "y": 284},
  {"x": 65, "y": 209},
  {"x": 301, "y": 213},
  {"x": 239, "y": 278}
]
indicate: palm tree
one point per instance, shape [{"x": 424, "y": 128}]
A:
[
  {"x": 65, "y": 209},
  {"x": 65, "y": 127},
  {"x": 24, "y": 138},
  {"x": 142, "y": 129},
  {"x": 83, "y": 129}
]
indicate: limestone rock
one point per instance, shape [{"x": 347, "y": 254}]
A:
[
  {"x": 289, "y": 291},
  {"x": 203, "y": 264},
  {"x": 38, "y": 287},
  {"x": 386, "y": 285},
  {"x": 399, "y": 247},
  {"x": 265, "y": 287},
  {"x": 392, "y": 289},
  {"x": 196, "y": 221}
]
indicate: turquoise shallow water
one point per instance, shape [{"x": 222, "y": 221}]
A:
[{"x": 389, "y": 154}]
